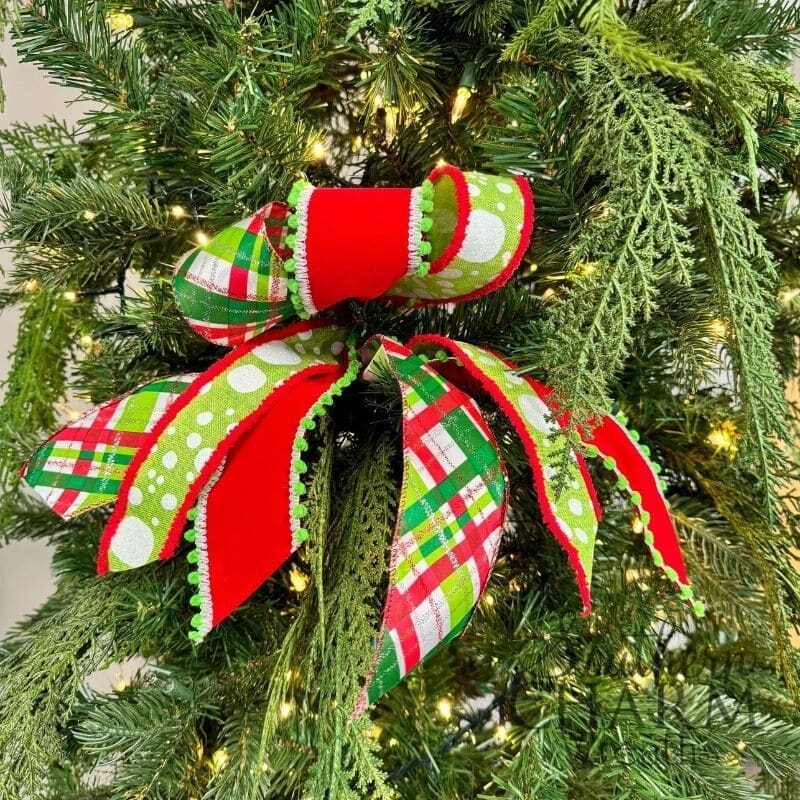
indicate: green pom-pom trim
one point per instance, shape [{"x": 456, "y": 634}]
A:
[
  {"x": 622, "y": 482},
  {"x": 197, "y": 621},
  {"x": 301, "y": 534},
  {"x": 636, "y": 498},
  {"x": 289, "y": 265},
  {"x": 299, "y": 487},
  {"x": 194, "y": 636},
  {"x": 658, "y": 559},
  {"x": 191, "y": 514},
  {"x": 425, "y": 248},
  {"x": 649, "y": 538},
  {"x": 293, "y": 286},
  {"x": 644, "y": 516},
  {"x": 699, "y": 608},
  {"x": 196, "y": 601},
  {"x": 687, "y": 593},
  {"x": 190, "y": 535},
  {"x": 634, "y": 435},
  {"x": 309, "y": 424},
  {"x": 592, "y": 451},
  {"x": 609, "y": 463},
  {"x": 291, "y": 221},
  {"x": 194, "y": 578},
  {"x": 192, "y": 557},
  {"x": 296, "y": 190},
  {"x": 671, "y": 574},
  {"x": 425, "y": 224},
  {"x": 645, "y": 449},
  {"x": 291, "y": 240},
  {"x": 300, "y": 466},
  {"x": 426, "y": 206},
  {"x": 300, "y": 511},
  {"x": 301, "y": 445}
]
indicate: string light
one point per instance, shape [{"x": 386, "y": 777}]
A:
[
  {"x": 441, "y": 163},
  {"x": 391, "y": 115},
  {"x": 30, "y": 285},
  {"x": 286, "y": 709},
  {"x": 120, "y": 683},
  {"x": 583, "y": 269},
  {"x": 202, "y": 238},
  {"x": 298, "y": 579},
  {"x": 638, "y": 525},
  {"x": 787, "y": 295},
  {"x": 444, "y": 708},
  {"x": 488, "y": 599},
  {"x": 357, "y": 144},
  {"x": 119, "y": 21},
  {"x": 177, "y": 211},
  {"x": 88, "y": 215},
  {"x": 718, "y": 328},
  {"x": 502, "y": 732},
  {"x": 724, "y": 437},
  {"x": 86, "y": 341},
  {"x": 219, "y": 759},
  {"x": 70, "y": 296},
  {"x": 465, "y": 90},
  {"x": 318, "y": 151}
]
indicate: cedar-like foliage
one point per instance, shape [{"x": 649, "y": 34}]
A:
[{"x": 662, "y": 142}]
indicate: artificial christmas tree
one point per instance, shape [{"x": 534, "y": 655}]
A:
[{"x": 661, "y": 142}]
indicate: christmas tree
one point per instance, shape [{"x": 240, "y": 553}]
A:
[{"x": 661, "y": 142}]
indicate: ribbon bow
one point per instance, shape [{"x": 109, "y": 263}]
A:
[{"x": 195, "y": 446}]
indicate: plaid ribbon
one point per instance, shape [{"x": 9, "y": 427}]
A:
[
  {"x": 82, "y": 466},
  {"x": 450, "y": 519},
  {"x": 234, "y": 287}
]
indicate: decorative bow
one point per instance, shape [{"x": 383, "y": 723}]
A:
[{"x": 200, "y": 446}]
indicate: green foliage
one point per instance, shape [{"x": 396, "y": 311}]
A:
[{"x": 662, "y": 142}]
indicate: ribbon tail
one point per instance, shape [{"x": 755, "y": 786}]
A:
[
  {"x": 566, "y": 494},
  {"x": 82, "y": 466},
  {"x": 620, "y": 451},
  {"x": 450, "y": 519},
  {"x": 191, "y": 441},
  {"x": 239, "y": 545}
]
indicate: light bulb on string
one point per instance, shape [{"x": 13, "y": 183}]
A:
[
  {"x": 177, "y": 211},
  {"x": 465, "y": 90},
  {"x": 70, "y": 296},
  {"x": 318, "y": 151},
  {"x": 444, "y": 708},
  {"x": 298, "y": 580},
  {"x": 286, "y": 709},
  {"x": 31, "y": 285},
  {"x": 724, "y": 437},
  {"x": 202, "y": 238},
  {"x": 391, "y": 114},
  {"x": 119, "y": 21}
]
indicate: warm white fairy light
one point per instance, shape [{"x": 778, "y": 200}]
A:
[
  {"x": 718, "y": 328},
  {"x": 119, "y": 21},
  {"x": 318, "y": 151},
  {"x": 724, "y": 437},
  {"x": 202, "y": 238},
  {"x": 286, "y": 709},
  {"x": 70, "y": 296},
  {"x": 460, "y": 102},
  {"x": 89, "y": 216},
  {"x": 444, "y": 708},
  {"x": 31, "y": 285},
  {"x": 219, "y": 760},
  {"x": 86, "y": 342},
  {"x": 177, "y": 211},
  {"x": 298, "y": 579}
]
